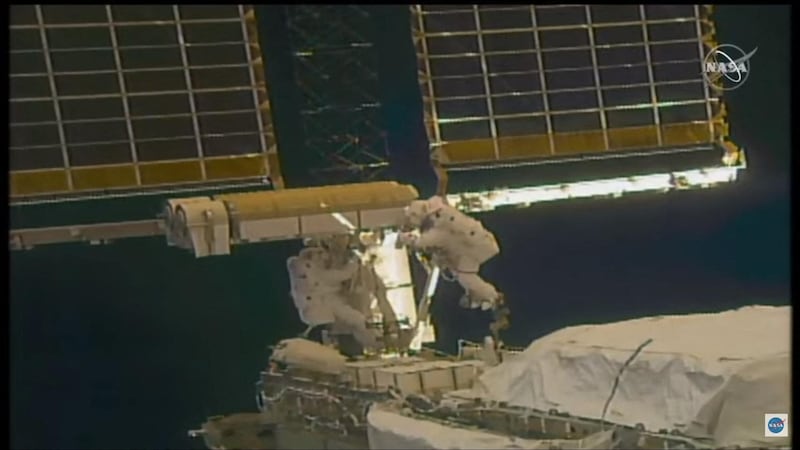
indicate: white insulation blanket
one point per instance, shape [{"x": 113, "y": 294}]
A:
[
  {"x": 390, "y": 430},
  {"x": 708, "y": 374}
]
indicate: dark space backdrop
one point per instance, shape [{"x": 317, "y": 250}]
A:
[{"x": 132, "y": 344}]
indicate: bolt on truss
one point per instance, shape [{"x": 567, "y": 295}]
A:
[{"x": 336, "y": 73}]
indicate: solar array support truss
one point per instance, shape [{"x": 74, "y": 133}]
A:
[{"x": 335, "y": 68}]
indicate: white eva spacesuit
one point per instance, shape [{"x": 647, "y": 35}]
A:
[
  {"x": 320, "y": 288},
  {"x": 456, "y": 242}
]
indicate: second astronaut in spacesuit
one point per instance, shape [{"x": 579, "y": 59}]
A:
[
  {"x": 319, "y": 282},
  {"x": 456, "y": 243}
]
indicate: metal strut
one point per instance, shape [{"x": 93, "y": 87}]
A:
[
  {"x": 99, "y": 233},
  {"x": 441, "y": 180}
]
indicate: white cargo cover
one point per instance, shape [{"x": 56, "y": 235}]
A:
[
  {"x": 390, "y": 430},
  {"x": 735, "y": 415},
  {"x": 723, "y": 371}
]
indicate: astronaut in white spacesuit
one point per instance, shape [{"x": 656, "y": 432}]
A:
[
  {"x": 320, "y": 279},
  {"x": 456, "y": 243}
]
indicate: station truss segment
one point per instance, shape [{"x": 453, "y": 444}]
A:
[
  {"x": 336, "y": 73},
  {"x": 512, "y": 89},
  {"x": 109, "y": 99}
]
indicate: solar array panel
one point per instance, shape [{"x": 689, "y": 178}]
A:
[
  {"x": 115, "y": 97},
  {"x": 505, "y": 82}
]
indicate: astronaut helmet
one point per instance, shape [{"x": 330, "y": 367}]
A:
[
  {"x": 416, "y": 212},
  {"x": 311, "y": 242},
  {"x": 337, "y": 242},
  {"x": 312, "y": 254}
]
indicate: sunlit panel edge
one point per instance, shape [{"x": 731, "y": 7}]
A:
[{"x": 489, "y": 200}]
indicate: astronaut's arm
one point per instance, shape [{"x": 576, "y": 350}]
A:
[
  {"x": 424, "y": 241},
  {"x": 298, "y": 280},
  {"x": 347, "y": 318},
  {"x": 407, "y": 238},
  {"x": 338, "y": 274},
  {"x": 293, "y": 264},
  {"x": 430, "y": 239}
]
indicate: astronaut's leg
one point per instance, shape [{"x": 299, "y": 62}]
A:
[
  {"x": 315, "y": 311},
  {"x": 317, "y": 333},
  {"x": 317, "y": 316},
  {"x": 478, "y": 293},
  {"x": 355, "y": 322}
]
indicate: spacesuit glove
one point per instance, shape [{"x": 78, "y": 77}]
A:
[
  {"x": 464, "y": 301},
  {"x": 408, "y": 238}
]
